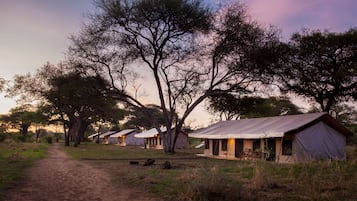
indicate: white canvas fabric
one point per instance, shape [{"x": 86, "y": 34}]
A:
[
  {"x": 94, "y": 135},
  {"x": 256, "y": 128},
  {"x": 107, "y": 133},
  {"x": 123, "y": 132},
  {"x": 150, "y": 133}
]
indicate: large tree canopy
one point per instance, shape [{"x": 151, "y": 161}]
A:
[
  {"x": 229, "y": 106},
  {"x": 137, "y": 118},
  {"x": 23, "y": 117},
  {"x": 188, "y": 51},
  {"x": 319, "y": 65},
  {"x": 80, "y": 101}
]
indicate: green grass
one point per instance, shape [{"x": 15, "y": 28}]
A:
[
  {"x": 14, "y": 159},
  {"x": 196, "y": 178}
]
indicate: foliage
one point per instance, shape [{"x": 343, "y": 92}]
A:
[
  {"x": 80, "y": 100},
  {"x": 188, "y": 51},
  {"x": 318, "y": 65},
  {"x": 233, "y": 107},
  {"x": 3, "y": 136},
  {"x": 23, "y": 117},
  {"x": 137, "y": 118},
  {"x": 49, "y": 140}
]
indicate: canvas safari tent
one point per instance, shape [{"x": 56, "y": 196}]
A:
[
  {"x": 93, "y": 137},
  {"x": 152, "y": 139},
  {"x": 103, "y": 138},
  {"x": 126, "y": 138},
  {"x": 284, "y": 139}
]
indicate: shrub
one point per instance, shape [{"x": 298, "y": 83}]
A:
[
  {"x": 211, "y": 185},
  {"x": 2, "y": 137},
  {"x": 49, "y": 140}
]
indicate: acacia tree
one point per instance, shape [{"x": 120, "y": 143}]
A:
[
  {"x": 189, "y": 52},
  {"x": 319, "y": 65},
  {"x": 2, "y": 84},
  {"x": 80, "y": 101},
  {"x": 69, "y": 97},
  {"x": 229, "y": 106},
  {"x": 137, "y": 118},
  {"x": 23, "y": 117}
]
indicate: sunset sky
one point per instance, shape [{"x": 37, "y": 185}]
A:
[{"x": 33, "y": 32}]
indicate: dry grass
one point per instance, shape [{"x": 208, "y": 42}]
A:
[
  {"x": 193, "y": 178},
  {"x": 14, "y": 159}
]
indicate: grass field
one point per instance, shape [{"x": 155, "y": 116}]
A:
[
  {"x": 196, "y": 178},
  {"x": 14, "y": 159}
]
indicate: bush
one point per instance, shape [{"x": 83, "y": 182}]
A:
[
  {"x": 49, "y": 140},
  {"x": 20, "y": 138},
  {"x": 212, "y": 185},
  {"x": 2, "y": 137}
]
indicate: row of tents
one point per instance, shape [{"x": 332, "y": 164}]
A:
[
  {"x": 131, "y": 137},
  {"x": 283, "y": 139}
]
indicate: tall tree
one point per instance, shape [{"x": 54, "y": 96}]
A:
[
  {"x": 2, "y": 84},
  {"x": 229, "y": 106},
  {"x": 189, "y": 52},
  {"x": 23, "y": 117},
  {"x": 80, "y": 101},
  {"x": 137, "y": 118},
  {"x": 319, "y": 65}
]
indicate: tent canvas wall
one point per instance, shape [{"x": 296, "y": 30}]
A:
[
  {"x": 285, "y": 139},
  {"x": 152, "y": 139},
  {"x": 103, "y": 138},
  {"x": 126, "y": 137}
]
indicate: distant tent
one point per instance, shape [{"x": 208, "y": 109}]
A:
[
  {"x": 126, "y": 138},
  {"x": 103, "y": 138},
  {"x": 153, "y": 139},
  {"x": 284, "y": 139},
  {"x": 93, "y": 136}
]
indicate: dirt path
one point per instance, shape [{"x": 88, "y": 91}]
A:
[{"x": 59, "y": 178}]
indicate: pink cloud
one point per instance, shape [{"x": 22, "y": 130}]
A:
[{"x": 292, "y": 15}]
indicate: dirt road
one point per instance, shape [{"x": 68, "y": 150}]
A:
[{"x": 59, "y": 178}]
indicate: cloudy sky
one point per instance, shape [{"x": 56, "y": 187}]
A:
[{"x": 33, "y": 32}]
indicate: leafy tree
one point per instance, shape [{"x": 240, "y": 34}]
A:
[
  {"x": 23, "y": 117},
  {"x": 69, "y": 97},
  {"x": 189, "y": 53},
  {"x": 2, "y": 84},
  {"x": 319, "y": 65},
  {"x": 79, "y": 101},
  {"x": 230, "y": 107},
  {"x": 137, "y": 118}
]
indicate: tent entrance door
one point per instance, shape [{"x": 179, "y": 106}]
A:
[
  {"x": 269, "y": 147},
  {"x": 238, "y": 148},
  {"x": 215, "y": 148}
]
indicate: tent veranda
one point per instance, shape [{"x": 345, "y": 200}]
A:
[{"x": 289, "y": 138}]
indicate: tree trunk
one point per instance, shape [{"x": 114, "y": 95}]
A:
[
  {"x": 76, "y": 132},
  {"x": 24, "y": 129},
  {"x": 169, "y": 145}
]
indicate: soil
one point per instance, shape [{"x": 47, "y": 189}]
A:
[{"x": 60, "y": 178}]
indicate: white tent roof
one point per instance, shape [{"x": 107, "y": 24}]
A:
[
  {"x": 256, "y": 128},
  {"x": 149, "y": 133},
  {"x": 107, "y": 133},
  {"x": 93, "y": 135},
  {"x": 123, "y": 132}
]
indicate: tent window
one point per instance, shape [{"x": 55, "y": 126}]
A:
[
  {"x": 287, "y": 147},
  {"x": 224, "y": 144},
  {"x": 206, "y": 144}
]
